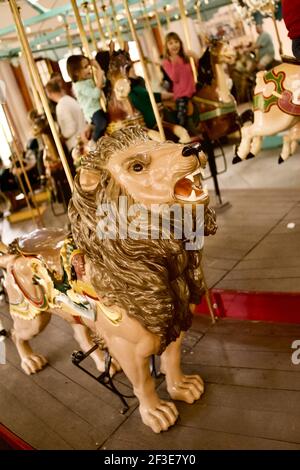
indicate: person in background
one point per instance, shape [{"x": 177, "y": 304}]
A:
[
  {"x": 87, "y": 91},
  {"x": 177, "y": 66},
  {"x": 140, "y": 98},
  {"x": 264, "y": 48},
  {"x": 35, "y": 146},
  {"x": 69, "y": 114},
  {"x": 221, "y": 32},
  {"x": 291, "y": 17},
  {"x": 103, "y": 58}
]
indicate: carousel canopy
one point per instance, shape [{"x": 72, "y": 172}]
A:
[{"x": 49, "y": 22}]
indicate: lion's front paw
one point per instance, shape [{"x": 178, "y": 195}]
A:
[
  {"x": 160, "y": 417},
  {"x": 189, "y": 388},
  {"x": 33, "y": 363}
]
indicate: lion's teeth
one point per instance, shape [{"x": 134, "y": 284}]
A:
[
  {"x": 191, "y": 175},
  {"x": 196, "y": 172},
  {"x": 192, "y": 196}
]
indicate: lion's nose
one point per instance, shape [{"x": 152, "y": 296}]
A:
[{"x": 193, "y": 149}]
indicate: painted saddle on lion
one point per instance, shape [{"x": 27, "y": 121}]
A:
[{"x": 135, "y": 292}]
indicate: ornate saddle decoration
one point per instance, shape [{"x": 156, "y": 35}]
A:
[
  {"x": 42, "y": 284},
  {"x": 286, "y": 100}
]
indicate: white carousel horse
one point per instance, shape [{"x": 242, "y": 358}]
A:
[{"x": 276, "y": 109}]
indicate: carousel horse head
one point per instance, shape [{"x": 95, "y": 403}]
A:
[
  {"x": 213, "y": 100},
  {"x": 119, "y": 63},
  {"x": 217, "y": 52},
  {"x": 118, "y": 71},
  {"x": 121, "y": 112},
  {"x": 223, "y": 52}
]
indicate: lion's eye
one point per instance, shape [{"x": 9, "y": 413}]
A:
[{"x": 137, "y": 167}]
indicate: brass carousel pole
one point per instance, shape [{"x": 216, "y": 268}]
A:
[
  {"x": 19, "y": 157},
  {"x": 198, "y": 11},
  {"x": 83, "y": 38},
  {"x": 33, "y": 216},
  {"x": 39, "y": 85},
  {"x": 155, "y": 67},
  {"x": 158, "y": 21},
  {"x": 143, "y": 8},
  {"x": 146, "y": 75},
  {"x": 85, "y": 7},
  {"x": 188, "y": 42},
  {"x": 208, "y": 298},
  {"x": 36, "y": 98},
  {"x": 116, "y": 23},
  {"x": 101, "y": 32},
  {"x": 187, "y": 36},
  {"x": 277, "y": 32},
  {"x": 69, "y": 38},
  {"x": 106, "y": 20},
  {"x": 85, "y": 44},
  {"x": 167, "y": 17}
]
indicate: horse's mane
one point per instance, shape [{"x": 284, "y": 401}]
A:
[{"x": 205, "y": 70}]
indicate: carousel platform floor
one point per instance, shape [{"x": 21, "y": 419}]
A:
[
  {"x": 251, "y": 399},
  {"x": 257, "y": 245},
  {"x": 252, "y": 388}
]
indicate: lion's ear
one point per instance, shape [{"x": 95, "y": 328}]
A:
[{"x": 89, "y": 179}]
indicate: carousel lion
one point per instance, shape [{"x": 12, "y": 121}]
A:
[{"x": 135, "y": 293}]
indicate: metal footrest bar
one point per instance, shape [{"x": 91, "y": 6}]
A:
[
  {"x": 104, "y": 379},
  {"x": 153, "y": 369}
]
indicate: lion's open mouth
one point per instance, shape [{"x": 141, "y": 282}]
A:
[{"x": 189, "y": 188}]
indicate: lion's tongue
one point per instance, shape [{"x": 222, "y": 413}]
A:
[{"x": 184, "y": 187}]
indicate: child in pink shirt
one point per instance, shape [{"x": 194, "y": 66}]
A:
[{"x": 177, "y": 65}]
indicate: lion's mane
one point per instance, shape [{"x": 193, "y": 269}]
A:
[{"x": 148, "y": 278}]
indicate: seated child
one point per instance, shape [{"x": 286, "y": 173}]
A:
[{"x": 87, "y": 91}]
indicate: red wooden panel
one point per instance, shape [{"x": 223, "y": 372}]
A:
[
  {"x": 261, "y": 306},
  {"x": 13, "y": 441}
]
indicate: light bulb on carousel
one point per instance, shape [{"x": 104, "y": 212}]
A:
[
  {"x": 246, "y": 8},
  {"x": 264, "y": 6}
]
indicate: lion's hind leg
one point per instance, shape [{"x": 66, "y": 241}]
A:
[
  {"x": 182, "y": 387},
  {"x": 23, "y": 331}
]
